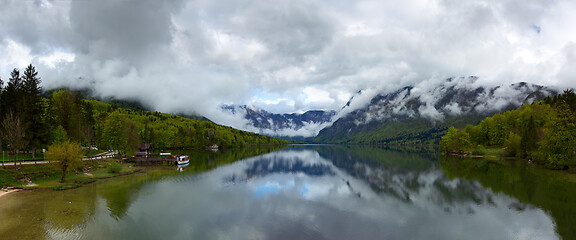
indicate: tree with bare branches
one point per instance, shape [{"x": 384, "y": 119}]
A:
[{"x": 13, "y": 134}]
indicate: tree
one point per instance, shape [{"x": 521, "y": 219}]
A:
[
  {"x": 1, "y": 93},
  {"x": 32, "y": 110},
  {"x": 498, "y": 130},
  {"x": 448, "y": 139},
  {"x": 512, "y": 145},
  {"x": 558, "y": 148},
  {"x": 14, "y": 136},
  {"x": 455, "y": 141},
  {"x": 59, "y": 134},
  {"x": 529, "y": 138},
  {"x": 481, "y": 133},
  {"x": 66, "y": 154},
  {"x": 120, "y": 133},
  {"x": 66, "y": 112},
  {"x": 11, "y": 98},
  {"x": 130, "y": 133},
  {"x": 1, "y": 111},
  {"x": 112, "y": 134},
  {"x": 87, "y": 124}
]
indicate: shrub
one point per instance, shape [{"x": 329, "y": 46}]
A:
[
  {"x": 512, "y": 146},
  {"x": 115, "y": 168},
  {"x": 479, "y": 150}
]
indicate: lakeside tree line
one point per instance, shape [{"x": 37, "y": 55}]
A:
[
  {"x": 544, "y": 131},
  {"x": 30, "y": 120}
]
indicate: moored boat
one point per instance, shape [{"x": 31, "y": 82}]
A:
[{"x": 182, "y": 160}]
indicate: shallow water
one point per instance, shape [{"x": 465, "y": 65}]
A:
[{"x": 304, "y": 192}]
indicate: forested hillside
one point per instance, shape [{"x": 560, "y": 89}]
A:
[
  {"x": 30, "y": 121},
  {"x": 421, "y": 114},
  {"x": 544, "y": 131}
]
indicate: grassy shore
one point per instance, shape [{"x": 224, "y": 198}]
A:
[{"x": 49, "y": 176}]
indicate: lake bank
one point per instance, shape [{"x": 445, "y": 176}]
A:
[
  {"x": 49, "y": 176},
  {"x": 4, "y": 192},
  {"x": 301, "y": 192}
]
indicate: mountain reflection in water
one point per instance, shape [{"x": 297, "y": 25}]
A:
[{"x": 320, "y": 192}]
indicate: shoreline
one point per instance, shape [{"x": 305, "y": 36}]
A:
[
  {"x": 6, "y": 191},
  {"x": 70, "y": 185}
]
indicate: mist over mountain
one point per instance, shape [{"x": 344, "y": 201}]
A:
[
  {"x": 307, "y": 124},
  {"x": 417, "y": 113},
  {"x": 423, "y": 112}
]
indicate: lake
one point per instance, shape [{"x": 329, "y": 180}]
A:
[{"x": 306, "y": 192}]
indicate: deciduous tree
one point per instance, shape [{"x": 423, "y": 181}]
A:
[
  {"x": 65, "y": 154},
  {"x": 66, "y": 112},
  {"x": 557, "y": 149},
  {"x": 14, "y": 136},
  {"x": 120, "y": 133}
]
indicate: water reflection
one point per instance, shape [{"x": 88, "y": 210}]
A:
[
  {"x": 553, "y": 191},
  {"x": 310, "y": 193}
]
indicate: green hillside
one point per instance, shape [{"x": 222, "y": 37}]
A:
[
  {"x": 544, "y": 131},
  {"x": 31, "y": 120},
  {"x": 410, "y": 131}
]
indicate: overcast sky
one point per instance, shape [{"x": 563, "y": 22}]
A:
[{"x": 283, "y": 55}]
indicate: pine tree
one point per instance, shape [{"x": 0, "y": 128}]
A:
[
  {"x": 11, "y": 98},
  {"x": 33, "y": 124}
]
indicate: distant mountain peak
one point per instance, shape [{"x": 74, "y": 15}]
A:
[
  {"x": 429, "y": 107},
  {"x": 307, "y": 124},
  {"x": 430, "y": 104}
]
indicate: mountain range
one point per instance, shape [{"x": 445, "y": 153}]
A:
[
  {"x": 413, "y": 114},
  {"x": 291, "y": 125}
]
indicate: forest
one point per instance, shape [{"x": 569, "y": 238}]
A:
[
  {"x": 543, "y": 132},
  {"x": 32, "y": 119}
]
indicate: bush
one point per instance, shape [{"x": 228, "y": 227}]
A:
[
  {"x": 512, "y": 146},
  {"x": 479, "y": 150},
  {"x": 115, "y": 168}
]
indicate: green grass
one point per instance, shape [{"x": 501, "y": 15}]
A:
[
  {"x": 7, "y": 178},
  {"x": 492, "y": 152},
  {"x": 22, "y": 156},
  {"x": 49, "y": 176},
  {"x": 9, "y": 159},
  {"x": 92, "y": 152}
]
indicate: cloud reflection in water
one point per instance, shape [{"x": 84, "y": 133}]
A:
[{"x": 298, "y": 194}]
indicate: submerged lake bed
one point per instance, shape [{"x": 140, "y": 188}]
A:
[{"x": 303, "y": 192}]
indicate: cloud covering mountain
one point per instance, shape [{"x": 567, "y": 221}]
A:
[
  {"x": 453, "y": 97},
  {"x": 261, "y": 121},
  {"x": 424, "y": 111},
  {"x": 283, "y": 56}
]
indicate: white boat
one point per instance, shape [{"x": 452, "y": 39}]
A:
[
  {"x": 180, "y": 168},
  {"x": 182, "y": 160}
]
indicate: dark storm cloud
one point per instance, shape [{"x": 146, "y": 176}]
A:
[
  {"x": 130, "y": 30},
  {"x": 35, "y": 24},
  {"x": 289, "y": 29}
]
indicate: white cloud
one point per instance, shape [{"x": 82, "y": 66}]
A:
[
  {"x": 13, "y": 55},
  {"x": 192, "y": 56}
]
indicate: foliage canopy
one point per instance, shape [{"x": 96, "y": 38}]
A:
[{"x": 543, "y": 131}]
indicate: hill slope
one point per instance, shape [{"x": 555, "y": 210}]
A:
[{"x": 420, "y": 114}]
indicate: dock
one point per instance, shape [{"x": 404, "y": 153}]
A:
[{"x": 155, "y": 160}]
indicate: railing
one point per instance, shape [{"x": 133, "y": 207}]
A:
[
  {"x": 10, "y": 160},
  {"x": 106, "y": 156}
]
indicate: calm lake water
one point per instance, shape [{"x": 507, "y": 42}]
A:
[{"x": 306, "y": 192}]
